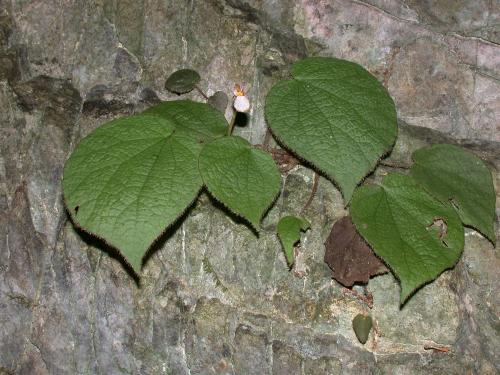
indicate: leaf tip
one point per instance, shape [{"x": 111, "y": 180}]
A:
[
  {"x": 255, "y": 224},
  {"x": 306, "y": 225},
  {"x": 407, "y": 291},
  {"x": 290, "y": 256},
  {"x": 490, "y": 234},
  {"x": 135, "y": 263}
]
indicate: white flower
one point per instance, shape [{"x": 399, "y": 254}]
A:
[{"x": 241, "y": 102}]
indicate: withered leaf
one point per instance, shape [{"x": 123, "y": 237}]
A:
[{"x": 349, "y": 257}]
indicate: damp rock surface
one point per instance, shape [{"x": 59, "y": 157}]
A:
[{"x": 214, "y": 298}]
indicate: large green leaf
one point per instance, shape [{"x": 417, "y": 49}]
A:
[
  {"x": 454, "y": 175},
  {"x": 132, "y": 177},
  {"x": 336, "y": 116},
  {"x": 244, "y": 179},
  {"x": 289, "y": 228},
  {"x": 415, "y": 234}
]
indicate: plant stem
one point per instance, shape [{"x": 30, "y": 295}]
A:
[
  {"x": 385, "y": 164},
  {"x": 313, "y": 192},
  {"x": 201, "y": 92},
  {"x": 231, "y": 124},
  {"x": 267, "y": 139}
]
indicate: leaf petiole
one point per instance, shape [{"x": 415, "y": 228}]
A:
[{"x": 231, "y": 124}]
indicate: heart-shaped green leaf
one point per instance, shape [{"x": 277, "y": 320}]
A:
[
  {"x": 362, "y": 325},
  {"x": 336, "y": 116},
  {"x": 245, "y": 180},
  {"x": 132, "y": 177},
  {"x": 417, "y": 236},
  {"x": 182, "y": 81},
  {"x": 219, "y": 101},
  {"x": 289, "y": 228},
  {"x": 454, "y": 175}
]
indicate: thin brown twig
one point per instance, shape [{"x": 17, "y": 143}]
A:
[
  {"x": 366, "y": 297},
  {"x": 313, "y": 192},
  {"x": 283, "y": 158},
  {"x": 231, "y": 124},
  {"x": 201, "y": 92},
  {"x": 437, "y": 347},
  {"x": 267, "y": 139},
  {"x": 391, "y": 165}
]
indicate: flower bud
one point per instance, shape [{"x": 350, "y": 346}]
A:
[{"x": 241, "y": 104}]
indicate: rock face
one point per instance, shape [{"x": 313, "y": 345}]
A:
[{"x": 214, "y": 298}]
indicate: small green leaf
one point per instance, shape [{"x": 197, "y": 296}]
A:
[
  {"x": 362, "y": 325},
  {"x": 417, "y": 236},
  {"x": 182, "y": 81},
  {"x": 133, "y": 177},
  {"x": 454, "y": 175},
  {"x": 289, "y": 228},
  {"x": 336, "y": 116},
  {"x": 219, "y": 101},
  {"x": 245, "y": 180}
]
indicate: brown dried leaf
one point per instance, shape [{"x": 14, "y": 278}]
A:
[{"x": 349, "y": 257}]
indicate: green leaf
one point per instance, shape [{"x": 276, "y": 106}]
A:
[
  {"x": 362, "y": 325},
  {"x": 133, "y": 177},
  {"x": 289, "y": 228},
  {"x": 457, "y": 176},
  {"x": 417, "y": 236},
  {"x": 245, "y": 180},
  {"x": 219, "y": 101},
  {"x": 197, "y": 120},
  {"x": 336, "y": 116},
  {"x": 182, "y": 81}
]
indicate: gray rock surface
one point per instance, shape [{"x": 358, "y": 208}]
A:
[{"x": 214, "y": 298}]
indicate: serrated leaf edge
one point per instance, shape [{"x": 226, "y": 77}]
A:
[
  {"x": 254, "y": 226},
  {"x": 313, "y": 165},
  {"x": 135, "y": 267},
  {"x": 405, "y": 294},
  {"x": 432, "y": 193},
  {"x": 315, "y": 168},
  {"x": 305, "y": 226}
]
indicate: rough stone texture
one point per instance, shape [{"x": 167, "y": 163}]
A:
[
  {"x": 213, "y": 298},
  {"x": 438, "y": 75}
]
